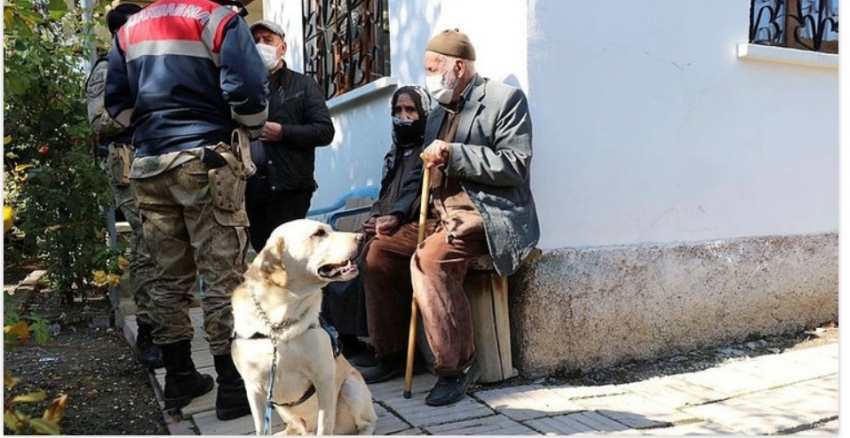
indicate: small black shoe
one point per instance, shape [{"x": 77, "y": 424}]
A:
[
  {"x": 351, "y": 345},
  {"x": 383, "y": 371},
  {"x": 364, "y": 359},
  {"x": 449, "y": 390}
]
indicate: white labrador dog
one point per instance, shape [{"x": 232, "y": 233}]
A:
[{"x": 314, "y": 393}]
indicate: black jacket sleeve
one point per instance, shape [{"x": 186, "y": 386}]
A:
[{"x": 316, "y": 129}]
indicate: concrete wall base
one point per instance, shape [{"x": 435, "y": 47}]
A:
[{"x": 578, "y": 309}]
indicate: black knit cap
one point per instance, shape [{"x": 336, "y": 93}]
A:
[
  {"x": 117, "y": 16},
  {"x": 452, "y": 42}
]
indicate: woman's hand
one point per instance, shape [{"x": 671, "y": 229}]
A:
[
  {"x": 368, "y": 227},
  {"x": 386, "y": 225}
]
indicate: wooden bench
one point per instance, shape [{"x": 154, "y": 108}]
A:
[{"x": 488, "y": 298}]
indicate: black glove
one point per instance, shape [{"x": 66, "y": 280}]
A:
[{"x": 213, "y": 159}]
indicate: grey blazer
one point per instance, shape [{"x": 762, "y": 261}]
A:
[{"x": 491, "y": 158}]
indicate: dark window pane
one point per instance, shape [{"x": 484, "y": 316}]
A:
[
  {"x": 799, "y": 24},
  {"x": 346, "y": 43}
]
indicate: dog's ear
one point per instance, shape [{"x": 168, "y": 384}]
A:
[{"x": 271, "y": 265}]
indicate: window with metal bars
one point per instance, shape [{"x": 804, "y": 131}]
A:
[
  {"x": 346, "y": 43},
  {"x": 798, "y": 24}
]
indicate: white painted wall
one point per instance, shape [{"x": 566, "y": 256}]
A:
[{"x": 647, "y": 127}]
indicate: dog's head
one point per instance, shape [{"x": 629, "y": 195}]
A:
[{"x": 303, "y": 254}]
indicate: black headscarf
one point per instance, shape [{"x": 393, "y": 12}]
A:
[{"x": 407, "y": 133}]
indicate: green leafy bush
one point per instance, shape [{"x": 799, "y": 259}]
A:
[{"x": 51, "y": 173}]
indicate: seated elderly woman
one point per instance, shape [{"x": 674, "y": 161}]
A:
[{"x": 344, "y": 302}]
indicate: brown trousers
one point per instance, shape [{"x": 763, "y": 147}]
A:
[{"x": 394, "y": 267}]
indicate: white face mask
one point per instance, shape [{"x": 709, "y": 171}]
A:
[
  {"x": 269, "y": 55},
  {"x": 436, "y": 85}
]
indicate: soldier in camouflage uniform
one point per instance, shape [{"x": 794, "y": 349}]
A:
[
  {"x": 186, "y": 73},
  {"x": 117, "y": 152}
]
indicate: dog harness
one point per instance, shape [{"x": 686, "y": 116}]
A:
[
  {"x": 312, "y": 389},
  {"x": 274, "y": 330}
]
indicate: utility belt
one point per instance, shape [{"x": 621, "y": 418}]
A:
[{"x": 230, "y": 166}]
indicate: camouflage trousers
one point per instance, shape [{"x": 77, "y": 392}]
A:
[
  {"x": 141, "y": 269},
  {"x": 186, "y": 237},
  {"x": 142, "y": 266}
]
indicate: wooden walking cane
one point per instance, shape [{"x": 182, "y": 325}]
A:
[{"x": 414, "y": 311}]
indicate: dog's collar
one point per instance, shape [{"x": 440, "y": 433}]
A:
[
  {"x": 258, "y": 335},
  {"x": 331, "y": 331},
  {"x": 276, "y": 328}
]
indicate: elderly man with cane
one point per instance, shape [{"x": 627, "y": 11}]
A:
[{"x": 479, "y": 155}]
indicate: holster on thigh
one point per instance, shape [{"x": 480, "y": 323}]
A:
[{"x": 227, "y": 188}]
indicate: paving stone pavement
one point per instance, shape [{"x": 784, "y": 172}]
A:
[{"x": 793, "y": 392}]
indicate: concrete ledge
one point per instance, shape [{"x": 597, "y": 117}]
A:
[
  {"x": 784, "y": 55},
  {"x": 578, "y": 309},
  {"x": 24, "y": 290}
]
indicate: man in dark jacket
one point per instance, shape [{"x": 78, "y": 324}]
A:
[
  {"x": 299, "y": 121},
  {"x": 185, "y": 74}
]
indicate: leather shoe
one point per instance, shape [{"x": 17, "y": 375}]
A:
[
  {"x": 364, "y": 359},
  {"x": 451, "y": 389},
  {"x": 383, "y": 371}
]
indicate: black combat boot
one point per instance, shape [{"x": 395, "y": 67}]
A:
[
  {"x": 149, "y": 354},
  {"x": 182, "y": 381},
  {"x": 231, "y": 401}
]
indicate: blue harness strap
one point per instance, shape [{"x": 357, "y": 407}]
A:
[
  {"x": 337, "y": 349},
  {"x": 267, "y": 417}
]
